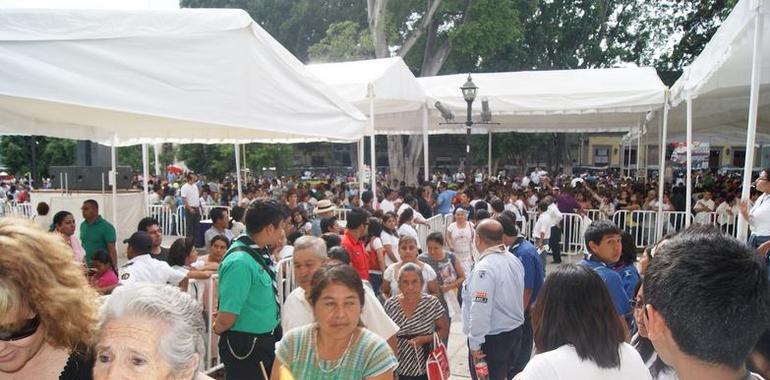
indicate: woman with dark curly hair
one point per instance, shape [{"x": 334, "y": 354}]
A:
[{"x": 47, "y": 310}]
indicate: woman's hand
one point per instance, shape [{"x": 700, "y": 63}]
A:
[
  {"x": 421, "y": 340},
  {"x": 763, "y": 249}
]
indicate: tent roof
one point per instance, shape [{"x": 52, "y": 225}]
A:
[
  {"x": 190, "y": 75},
  {"x": 588, "y": 100},
  {"x": 398, "y": 96},
  {"x": 719, "y": 79}
]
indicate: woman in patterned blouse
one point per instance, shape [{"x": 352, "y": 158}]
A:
[
  {"x": 418, "y": 316},
  {"x": 336, "y": 346}
]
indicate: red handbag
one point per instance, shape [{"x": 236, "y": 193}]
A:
[{"x": 437, "y": 365}]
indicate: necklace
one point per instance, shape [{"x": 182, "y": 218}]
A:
[{"x": 338, "y": 361}]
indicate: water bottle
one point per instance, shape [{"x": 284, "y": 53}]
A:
[{"x": 482, "y": 371}]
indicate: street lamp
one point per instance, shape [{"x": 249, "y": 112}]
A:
[{"x": 469, "y": 90}]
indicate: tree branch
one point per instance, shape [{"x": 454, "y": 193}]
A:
[{"x": 411, "y": 40}]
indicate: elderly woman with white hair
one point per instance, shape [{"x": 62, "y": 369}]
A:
[
  {"x": 418, "y": 316},
  {"x": 149, "y": 331}
]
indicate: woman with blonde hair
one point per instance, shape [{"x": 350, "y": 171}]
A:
[{"x": 48, "y": 312}]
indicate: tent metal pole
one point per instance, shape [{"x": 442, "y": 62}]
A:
[
  {"x": 638, "y": 152},
  {"x": 238, "y": 171},
  {"x": 114, "y": 179},
  {"x": 372, "y": 153},
  {"x": 662, "y": 166},
  {"x": 688, "y": 192},
  {"x": 155, "y": 149},
  {"x": 756, "y": 70},
  {"x": 425, "y": 153},
  {"x": 489, "y": 154},
  {"x": 361, "y": 166},
  {"x": 145, "y": 174},
  {"x": 622, "y": 157}
]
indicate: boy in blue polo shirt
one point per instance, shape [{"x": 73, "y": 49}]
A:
[{"x": 603, "y": 241}]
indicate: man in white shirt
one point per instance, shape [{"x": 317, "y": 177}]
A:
[
  {"x": 141, "y": 267},
  {"x": 309, "y": 255},
  {"x": 191, "y": 199},
  {"x": 703, "y": 207},
  {"x": 219, "y": 222}
]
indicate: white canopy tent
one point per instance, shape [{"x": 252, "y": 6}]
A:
[
  {"x": 125, "y": 77},
  {"x": 383, "y": 88},
  {"x": 726, "y": 87},
  {"x": 568, "y": 101}
]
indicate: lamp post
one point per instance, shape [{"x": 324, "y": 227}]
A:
[{"x": 469, "y": 90}]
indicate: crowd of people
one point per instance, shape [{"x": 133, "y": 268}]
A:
[{"x": 373, "y": 301}]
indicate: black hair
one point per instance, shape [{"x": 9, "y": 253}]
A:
[
  {"x": 220, "y": 238},
  {"x": 712, "y": 291},
  {"x": 597, "y": 230},
  {"x": 146, "y": 222},
  {"x": 509, "y": 224},
  {"x": 293, "y": 237},
  {"x": 497, "y": 204},
  {"x": 263, "y": 212},
  {"x": 543, "y": 205},
  {"x": 332, "y": 240},
  {"x": 385, "y": 217},
  {"x": 59, "y": 217},
  {"x": 375, "y": 228},
  {"x": 43, "y": 208},
  {"x": 367, "y": 196},
  {"x": 327, "y": 223},
  {"x": 340, "y": 254},
  {"x": 236, "y": 214},
  {"x": 334, "y": 273},
  {"x": 628, "y": 250},
  {"x": 217, "y": 213},
  {"x": 511, "y": 215},
  {"x": 482, "y": 214},
  {"x": 569, "y": 294},
  {"x": 357, "y": 217},
  {"x": 481, "y": 205},
  {"x": 101, "y": 255},
  {"x": 762, "y": 348},
  {"x": 435, "y": 237},
  {"x": 92, "y": 202},
  {"x": 406, "y": 215},
  {"x": 179, "y": 251}
]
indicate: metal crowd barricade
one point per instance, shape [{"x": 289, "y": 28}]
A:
[
  {"x": 181, "y": 226},
  {"x": 572, "y": 233},
  {"x": 205, "y": 292},
  {"x": 167, "y": 218},
  {"x": 422, "y": 235},
  {"x": 529, "y": 224},
  {"x": 20, "y": 210},
  {"x": 284, "y": 274}
]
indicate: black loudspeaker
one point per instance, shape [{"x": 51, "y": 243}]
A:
[{"x": 88, "y": 177}]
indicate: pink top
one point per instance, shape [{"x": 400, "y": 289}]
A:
[{"x": 108, "y": 278}]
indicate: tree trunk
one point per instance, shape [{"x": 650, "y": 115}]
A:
[{"x": 376, "y": 16}]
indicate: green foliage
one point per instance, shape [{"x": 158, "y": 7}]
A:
[
  {"x": 510, "y": 147},
  {"x": 17, "y": 153},
  {"x": 218, "y": 160},
  {"x": 344, "y": 41},
  {"x": 694, "y": 22},
  {"x": 131, "y": 156}
]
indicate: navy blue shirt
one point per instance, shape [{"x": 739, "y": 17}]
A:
[
  {"x": 613, "y": 282},
  {"x": 534, "y": 275}
]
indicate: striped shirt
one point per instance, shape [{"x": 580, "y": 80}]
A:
[
  {"x": 411, "y": 361},
  {"x": 368, "y": 356}
]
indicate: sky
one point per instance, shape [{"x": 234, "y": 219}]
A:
[{"x": 91, "y": 4}]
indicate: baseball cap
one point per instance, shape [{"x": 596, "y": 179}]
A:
[{"x": 140, "y": 241}]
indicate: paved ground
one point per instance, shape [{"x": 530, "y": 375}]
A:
[{"x": 458, "y": 349}]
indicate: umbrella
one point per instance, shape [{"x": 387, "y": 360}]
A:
[{"x": 175, "y": 169}]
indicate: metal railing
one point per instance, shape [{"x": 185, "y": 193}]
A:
[{"x": 21, "y": 210}]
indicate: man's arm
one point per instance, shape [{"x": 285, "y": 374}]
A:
[
  {"x": 223, "y": 322},
  {"x": 482, "y": 293},
  {"x": 113, "y": 252}
]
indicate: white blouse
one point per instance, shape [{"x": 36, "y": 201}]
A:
[{"x": 759, "y": 216}]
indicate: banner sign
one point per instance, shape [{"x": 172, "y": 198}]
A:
[{"x": 700, "y": 154}]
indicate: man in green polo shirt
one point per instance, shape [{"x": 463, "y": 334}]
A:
[
  {"x": 96, "y": 233},
  {"x": 249, "y": 316}
]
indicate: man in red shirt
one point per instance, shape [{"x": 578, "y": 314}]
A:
[{"x": 357, "y": 222}]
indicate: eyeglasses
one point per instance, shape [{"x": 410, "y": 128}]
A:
[
  {"x": 637, "y": 303},
  {"x": 29, "y": 328}
]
